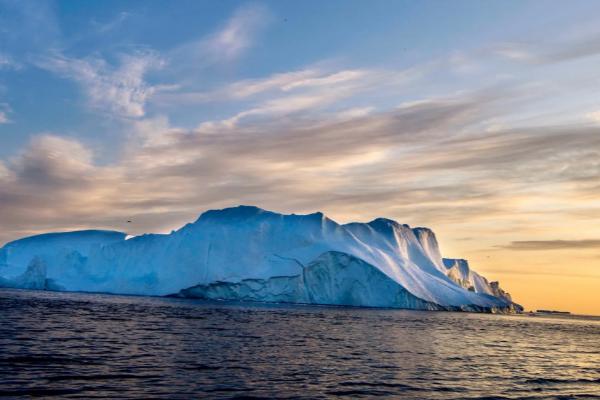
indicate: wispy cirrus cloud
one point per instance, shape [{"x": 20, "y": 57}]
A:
[
  {"x": 238, "y": 33},
  {"x": 28, "y": 25},
  {"x": 313, "y": 79},
  {"x": 227, "y": 43},
  {"x": 4, "y": 111},
  {"x": 312, "y": 90},
  {"x": 297, "y": 95},
  {"x": 120, "y": 90},
  {"x": 8, "y": 62},
  {"x": 243, "y": 89},
  {"x": 112, "y": 24}
]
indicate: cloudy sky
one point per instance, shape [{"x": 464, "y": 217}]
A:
[{"x": 480, "y": 120}]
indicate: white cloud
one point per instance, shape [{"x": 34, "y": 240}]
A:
[
  {"x": 355, "y": 112},
  {"x": 121, "y": 90},
  {"x": 303, "y": 79},
  {"x": 594, "y": 116},
  {"x": 69, "y": 154},
  {"x": 155, "y": 131},
  {"x": 251, "y": 87},
  {"x": 237, "y": 35},
  {"x": 307, "y": 91},
  {"x": 7, "y": 62},
  {"x": 226, "y": 44},
  {"x": 277, "y": 107},
  {"x": 515, "y": 51},
  {"x": 327, "y": 80},
  {"x": 313, "y": 100},
  {"x": 4, "y": 111},
  {"x": 240, "y": 90},
  {"x": 115, "y": 22},
  {"x": 5, "y": 173},
  {"x": 4, "y": 61}
]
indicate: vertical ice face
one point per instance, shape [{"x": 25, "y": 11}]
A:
[
  {"x": 459, "y": 271},
  {"x": 241, "y": 243},
  {"x": 418, "y": 246},
  {"x": 52, "y": 248},
  {"x": 429, "y": 244}
]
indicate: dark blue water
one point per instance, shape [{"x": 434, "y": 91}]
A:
[{"x": 100, "y": 346}]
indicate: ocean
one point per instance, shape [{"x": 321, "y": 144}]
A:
[{"x": 77, "y": 345}]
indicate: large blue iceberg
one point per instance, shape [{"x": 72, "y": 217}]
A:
[{"x": 248, "y": 254}]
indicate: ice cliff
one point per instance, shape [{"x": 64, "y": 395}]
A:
[
  {"x": 246, "y": 253},
  {"x": 460, "y": 272}
]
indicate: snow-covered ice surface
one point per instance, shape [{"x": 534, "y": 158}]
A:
[{"x": 246, "y": 253}]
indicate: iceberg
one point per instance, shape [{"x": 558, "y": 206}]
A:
[{"x": 246, "y": 253}]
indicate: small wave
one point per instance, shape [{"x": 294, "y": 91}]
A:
[
  {"x": 549, "y": 381},
  {"x": 201, "y": 367},
  {"x": 98, "y": 377},
  {"x": 45, "y": 360},
  {"x": 369, "y": 393},
  {"x": 39, "y": 392},
  {"x": 229, "y": 389},
  {"x": 398, "y": 386}
]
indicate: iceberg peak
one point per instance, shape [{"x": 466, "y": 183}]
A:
[
  {"x": 385, "y": 222},
  {"x": 236, "y": 212}
]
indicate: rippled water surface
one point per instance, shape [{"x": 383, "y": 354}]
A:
[{"x": 92, "y": 346}]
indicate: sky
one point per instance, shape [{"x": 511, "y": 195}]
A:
[{"x": 480, "y": 120}]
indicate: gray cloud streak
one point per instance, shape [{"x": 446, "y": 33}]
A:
[
  {"x": 534, "y": 245},
  {"x": 550, "y": 53}
]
